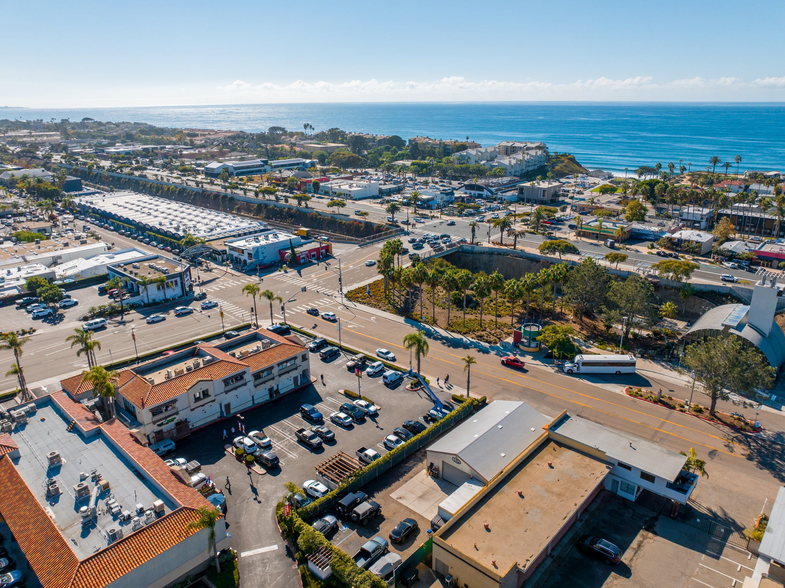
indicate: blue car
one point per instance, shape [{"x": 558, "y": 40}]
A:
[{"x": 309, "y": 413}]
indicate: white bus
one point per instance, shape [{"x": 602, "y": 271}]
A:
[{"x": 601, "y": 364}]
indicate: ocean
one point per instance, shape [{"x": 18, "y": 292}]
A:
[{"x": 610, "y": 136}]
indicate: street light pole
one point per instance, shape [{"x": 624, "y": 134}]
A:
[
  {"x": 689, "y": 406},
  {"x": 340, "y": 345},
  {"x": 133, "y": 336},
  {"x": 221, "y": 314},
  {"x": 340, "y": 280},
  {"x": 623, "y": 325}
]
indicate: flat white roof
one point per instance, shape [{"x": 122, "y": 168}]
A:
[{"x": 261, "y": 239}]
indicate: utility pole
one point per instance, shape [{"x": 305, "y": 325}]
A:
[
  {"x": 623, "y": 325},
  {"x": 689, "y": 405},
  {"x": 340, "y": 345},
  {"x": 221, "y": 314},
  {"x": 340, "y": 280},
  {"x": 136, "y": 351}
]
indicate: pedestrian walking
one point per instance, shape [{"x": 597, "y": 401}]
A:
[
  {"x": 322, "y": 379},
  {"x": 228, "y": 484},
  {"x": 224, "y": 433},
  {"x": 437, "y": 383},
  {"x": 447, "y": 379}
]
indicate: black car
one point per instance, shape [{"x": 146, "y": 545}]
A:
[
  {"x": 403, "y": 434},
  {"x": 351, "y": 410},
  {"x": 346, "y": 504},
  {"x": 600, "y": 548},
  {"x": 317, "y": 344},
  {"x": 402, "y": 530},
  {"x": 313, "y": 311},
  {"x": 324, "y": 432},
  {"x": 414, "y": 427},
  {"x": 102, "y": 290},
  {"x": 280, "y": 329},
  {"x": 200, "y": 295},
  {"x": 267, "y": 459},
  {"x": 329, "y": 353},
  {"x": 27, "y": 301},
  {"x": 309, "y": 413}
]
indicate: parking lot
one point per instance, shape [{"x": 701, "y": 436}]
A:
[
  {"x": 656, "y": 551},
  {"x": 251, "y": 498}
]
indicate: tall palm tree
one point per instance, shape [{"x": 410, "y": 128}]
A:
[
  {"x": 207, "y": 519},
  {"x": 464, "y": 279},
  {"x": 118, "y": 284},
  {"x": 14, "y": 342},
  {"x": 512, "y": 292},
  {"x": 420, "y": 276},
  {"x": 104, "y": 384},
  {"x": 481, "y": 291},
  {"x": 528, "y": 285},
  {"x": 450, "y": 284},
  {"x": 559, "y": 274},
  {"x": 502, "y": 224},
  {"x": 88, "y": 347},
  {"x": 714, "y": 161},
  {"x": 271, "y": 297},
  {"x": 543, "y": 279},
  {"x": 726, "y": 165},
  {"x": 418, "y": 343},
  {"x": 253, "y": 291},
  {"x": 434, "y": 280},
  {"x": 473, "y": 226},
  {"x": 496, "y": 283},
  {"x": 737, "y": 159},
  {"x": 515, "y": 234},
  {"x": 468, "y": 362},
  {"x": 392, "y": 208}
]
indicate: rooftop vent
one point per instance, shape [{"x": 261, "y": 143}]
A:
[
  {"x": 114, "y": 534},
  {"x": 54, "y": 458}
]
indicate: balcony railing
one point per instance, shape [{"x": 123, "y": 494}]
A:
[
  {"x": 158, "y": 418},
  {"x": 234, "y": 386}
]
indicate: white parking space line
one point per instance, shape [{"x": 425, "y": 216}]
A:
[
  {"x": 259, "y": 550},
  {"x": 288, "y": 436},
  {"x": 334, "y": 401},
  {"x": 700, "y": 582},
  {"x": 294, "y": 426},
  {"x": 718, "y": 572},
  {"x": 734, "y": 562},
  {"x": 343, "y": 539}
]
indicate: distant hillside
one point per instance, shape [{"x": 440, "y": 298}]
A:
[{"x": 564, "y": 164}]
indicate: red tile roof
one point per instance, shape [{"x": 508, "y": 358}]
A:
[
  {"x": 77, "y": 411},
  {"x": 76, "y": 385},
  {"x": 7, "y": 444}
]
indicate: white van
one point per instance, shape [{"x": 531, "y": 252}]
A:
[
  {"x": 163, "y": 447},
  {"x": 94, "y": 324},
  {"x": 390, "y": 377}
]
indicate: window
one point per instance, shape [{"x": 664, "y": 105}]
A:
[
  {"x": 304, "y": 357},
  {"x": 624, "y": 466},
  {"x": 287, "y": 364},
  {"x": 201, "y": 395},
  {"x": 627, "y": 488},
  {"x": 648, "y": 477}
]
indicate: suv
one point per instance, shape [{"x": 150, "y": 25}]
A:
[
  {"x": 346, "y": 504},
  {"x": 600, "y": 548},
  {"x": 317, "y": 344},
  {"x": 309, "y": 413},
  {"x": 329, "y": 353},
  {"x": 280, "y": 329},
  {"x": 350, "y": 409},
  {"x": 358, "y": 361},
  {"x": 365, "y": 511}
]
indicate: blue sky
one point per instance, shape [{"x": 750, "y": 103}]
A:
[{"x": 110, "y": 53}]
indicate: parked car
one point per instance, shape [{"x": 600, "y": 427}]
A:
[
  {"x": 366, "y": 407},
  {"x": 391, "y": 377},
  {"x": 414, "y": 427},
  {"x": 513, "y": 362},
  {"x": 364, "y": 512},
  {"x": 200, "y": 295},
  {"x": 357, "y": 415},
  {"x": 324, "y": 432},
  {"x": 299, "y": 500},
  {"x": 231, "y": 334},
  {"x": 450, "y": 223},
  {"x": 183, "y": 310},
  {"x": 315, "y": 489},
  {"x": 329, "y": 316},
  {"x": 403, "y": 529},
  {"x": 317, "y": 344},
  {"x": 261, "y": 439},
  {"x": 163, "y": 447},
  {"x": 42, "y": 313},
  {"x": 6, "y": 563},
  {"x": 177, "y": 461},
  {"x": 267, "y": 458},
  {"x": 33, "y": 307},
  {"x": 402, "y": 433},
  {"x": 313, "y": 311},
  {"x": 246, "y": 443},
  {"x": 309, "y": 438},
  {"x": 600, "y": 548},
  {"x": 329, "y": 353},
  {"x": 207, "y": 304},
  {"x": 391, "y": 442},
  {"x": 375, "y": 369},
  {"x": 155, "y": 318},
  {"x": 309, "y": 413},
  {"x": 346, "y": 505},
  {"x": 27, "y": 301},
  {"x": 11, "y": 579},
  {"x": 280, "y": 329},
  {"x": 357, "y": 361},
  {"x": 341, "y": 419},
  {"x": 68, "y": 303},
  {"x": 327, "y": 524},
  {"x": 385, "y": 354}
]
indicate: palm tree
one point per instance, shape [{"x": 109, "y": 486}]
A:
[
  {"x": 414, "y": 199},
  {"x": 481, "y": 291},
  {"x": 14, "y": 342},
  {"x": 420, "y": 276},
  {"x": 463, "y": 281},
  {"x": 207, "y": 519},
  {"x": 512, "y": 292},
  {"x": 104, "y": 384},
  {"x": 450, "y": 284},
  {"x": 434, "y": 280},
  {"x": 118, "y": 284},
  {"x": 473, "y": 226},
  {"x": 502, "y": 224},
  {"x": 496, "y": 283},
  {"x": 543, "y": 279},
  {"x": 392, "y": 208},
  {"x": 88, "y": 347},
  {"x": 726, "y": 165},
  {"x": 253, "y": 290},
  {"x": 714, "y": 161},
  {"x": 528, "y": 285},
  {"x": 270, "y": 296},
  {"x": 468, "y": 362},
  {"x": 515, "y": 234},
  {"x": 418, "y": 343},
  {"x": 737, "y": 159}
]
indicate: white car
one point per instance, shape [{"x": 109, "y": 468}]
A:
[
  {"x": 42, "y": 313},
  {"x": 261, "y": 439},
  {"x": 177, "y": 461},
  {"x": 375, "y": 369},
  {"x": 68, "y": 303},
  {"x": 385, "y": 354},
  {"x": 315, "y": 489},
  {"x": 183, "y": 310},
  {"x": 155, "y": 318},
  {"x": 208, "y": 304},
  {"x": 341, "y": 419},
  {"x": 392, "y": 441},
  {"x": 246, "y": 444},
  {"x": 723, "y": 277},
  {"x": 370, "y": 263},
  {"x": 366, "y": 407},
  {"x": 329, "y": 316},
  {"x": 198, "y": 480}
]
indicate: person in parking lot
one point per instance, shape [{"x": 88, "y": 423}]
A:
[{"x": 322, "y": 379}]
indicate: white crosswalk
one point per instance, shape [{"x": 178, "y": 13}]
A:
[
  {"x": 300, "y": 282},
  {"x": 234, "y": 282},
  {"x": 232, "y": 309}
]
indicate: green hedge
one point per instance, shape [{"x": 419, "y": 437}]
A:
[{"x": 315, "y": 507}]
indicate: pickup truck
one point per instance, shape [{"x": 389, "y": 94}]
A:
[
  {"x": 366, "y": 455},
  {"x": 309, "y": 438},
  {"x": 365, "y": 511},
  {"x": 370, "y": 552}
]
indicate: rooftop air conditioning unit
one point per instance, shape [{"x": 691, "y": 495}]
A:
[
  {"x": 114, "y": 535},
  {"x": 189, "y": 368},
  {"x": 81, "y": 490},
  {"x": 233, "y": 353},
  {"x": 179, "y": 372},
  {"x": 168, "y": 374},
  {"x": 158, "y": 506},
  {"x": 150, "y": 380},
  {"x": 266, "y": 343},
  {"x": 54, "y": 458},
  {"x": 136, "y": 524}
]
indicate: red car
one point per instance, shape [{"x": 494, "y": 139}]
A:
[{"x": 512, "y": 361}]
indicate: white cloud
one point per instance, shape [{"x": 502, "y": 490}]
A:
[{"x": 770, "y": 82}]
